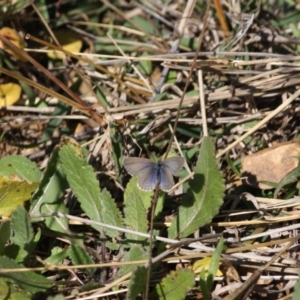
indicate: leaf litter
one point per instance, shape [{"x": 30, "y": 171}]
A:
[{"x": 250, "y": 77}]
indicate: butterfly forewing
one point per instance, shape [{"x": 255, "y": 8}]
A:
[
  {"x": 173, "y": 164},
  {"x": 136, "y": 165}
]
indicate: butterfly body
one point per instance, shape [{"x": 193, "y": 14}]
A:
[{"x": 152, "y": 173}]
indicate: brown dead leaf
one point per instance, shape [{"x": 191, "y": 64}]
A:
[
  {"x": 229, "y": 272},
  {"x": 271, "y": 164}
]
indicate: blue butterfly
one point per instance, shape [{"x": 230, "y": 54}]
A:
[{"x": 151, "y": 173}]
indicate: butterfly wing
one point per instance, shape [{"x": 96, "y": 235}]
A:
[
  {"x": 145, "y": 169},
  {"x": 173, "y": 164},
  {"x": 169, "y": 168},
  {"x": 148, "y": 178},
  {"x": 166, "y": 179},
  {"x": 136, "y": 165},
  {"x": 149, "y": 172}
]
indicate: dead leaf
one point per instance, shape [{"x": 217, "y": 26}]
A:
[
  {"x": 271, "y": 164},
  {"x": 230, "y": 273}
]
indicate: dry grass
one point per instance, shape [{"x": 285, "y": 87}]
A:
[{"x": 141, "y": 59}]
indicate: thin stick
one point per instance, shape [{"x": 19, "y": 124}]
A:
[
  {"x": 153, "y": 206},
  {"x": 185, "y": 16},
  {"x": 189, "y": 76},
  {"x": 202, "y": 103}
]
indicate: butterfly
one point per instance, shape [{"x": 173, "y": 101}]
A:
[{"x": 151, "y": 173}]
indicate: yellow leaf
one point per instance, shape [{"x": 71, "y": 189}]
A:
[
  {"x": 14, "y": 193},
  {"x": 69, "y": 41},
  {"x": 13, "y": 37},
  {"x": 9, "y": 93},
  {"x": 204, "y": 263}
]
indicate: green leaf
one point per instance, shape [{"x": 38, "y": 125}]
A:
[
  {"x": 98, "y": 205},
  {"x": 136, "y": 203},
  {"x": 58, "y": 224},
  {"x": 137, "y": 283},
  {"x": 57, "y": 256},
  {"x": 291, "y": 177},
  {"x": 60, "y": 110},
  {"x": 56, "y": 297},
  {"x": 214, "y": 264},
  {"x": 135, "y": 253},
  {"x": 4, "y": 235},
  {"x": 28, "y": 281},
  {"x": 23, "y": 233},
  {"x": 10, "y": 292},
  {"x": 203, "y": 285},
  {"x": 81, "y": 257},
  {"x": 21, "y": 226},
  {"x": 171, "y": 77},
  {"x": 143, "y": 24},
  {"x": 296, "y": 290},
  {"x": 20, "y": 166},
  {"x": 204, "y": 196},
  {"x": 52, "y": 185},
  {"x": 48, "y": 198},
  {"x": 175, "y": 286},
  {"x": 145, "y": 65}
]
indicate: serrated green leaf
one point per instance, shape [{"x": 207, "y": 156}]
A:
[
  {"x": 52, "y": 185},
  {"x": 23, "y": 234},
  {"x": 175, "y": 286},
  {"x": 21, "y": 226},
  {"x": 99, "y": 206},
  {"x": 137, "y": 283},
  {"x": 57, "y": 256},
  {"x": 204, "y": 196},
  {"x": 135, "y": 253},
  {"x": 28, "y": 281},
  {"x": 20, "y": 166},
  {"x": 135, "y": 210},
  {"x": 81, "y": 257},
  {"x": 110, "y": 212}
]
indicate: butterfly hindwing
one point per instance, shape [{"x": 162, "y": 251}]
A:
[
  {"x": 148, "y": 178},
  {"x": 166, "y": 180}
]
